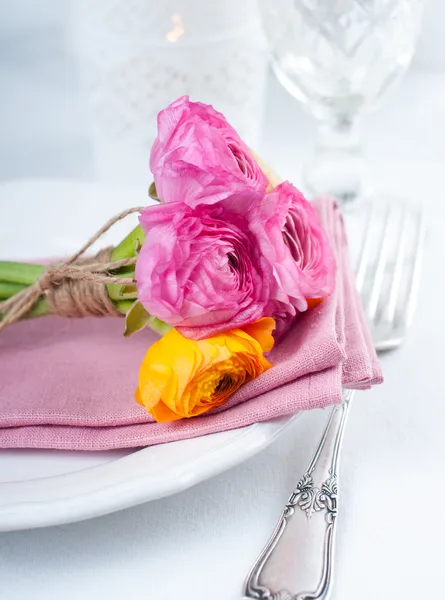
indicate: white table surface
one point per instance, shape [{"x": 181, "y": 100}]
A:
[{"x": 201, "y": 543}]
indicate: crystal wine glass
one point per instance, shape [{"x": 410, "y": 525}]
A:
[{"x": 338, "y": 58}]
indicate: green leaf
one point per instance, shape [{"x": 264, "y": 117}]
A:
[
  {"x": 136, "y": 319},
  {"x": 127, "y": 248},
  {"x": 158, "y": 326},
  {"x": 153, "y": 193}
]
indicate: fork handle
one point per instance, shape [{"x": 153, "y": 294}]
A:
[{"x": 299, "y": 554}]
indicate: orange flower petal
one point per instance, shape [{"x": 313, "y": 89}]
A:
[
  {"x": 163, "y": 414},
  {"x": 182, "y": 378},
  {"x": 313, "y": 302},
  {"x": 262, "y": 331}
]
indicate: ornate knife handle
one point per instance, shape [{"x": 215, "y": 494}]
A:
[{"x": 299, "y": 554}]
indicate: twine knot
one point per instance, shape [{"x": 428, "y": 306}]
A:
[
  {"x": 77, "y": 290},
  {"x": 76, "y": 287}
]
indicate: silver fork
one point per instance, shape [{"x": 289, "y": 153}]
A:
[{"x": 300, "y": 552}]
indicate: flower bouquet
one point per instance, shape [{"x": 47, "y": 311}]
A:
[{"x": 221, "y": 266}]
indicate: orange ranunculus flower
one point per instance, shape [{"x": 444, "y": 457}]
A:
[{"x": 180, "y": 377}]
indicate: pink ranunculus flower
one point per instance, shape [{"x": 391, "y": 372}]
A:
[
  {"x": 200, "y": 268},
  {"x": 293, "y": 240},
  {"x": 198, "y": 157}
]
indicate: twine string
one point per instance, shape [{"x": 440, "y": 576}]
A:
[{"x": 76, "y": 287}]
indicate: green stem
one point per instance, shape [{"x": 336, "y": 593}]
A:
[
  {"x": 27, "y": 274},
  {"x": 15, "y": 276},
  {"x": 123, "y": 306},
  {"x": 117, "y": 292},
  {"x": 10, "y": 289},
  {"x": 22, "y": 273},
  {"x": 40, "y": 309}
]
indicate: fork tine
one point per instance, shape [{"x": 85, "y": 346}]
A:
[
  {"x": 365, "y": 249},
  {"x": 380, "y": 268},
  {"x": 397, "y": 277},
  {"x": 415, "y": 274}
]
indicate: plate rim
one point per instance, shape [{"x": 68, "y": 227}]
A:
[{"x": 91, "y": 500}]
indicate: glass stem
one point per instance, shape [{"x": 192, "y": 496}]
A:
[
  {"x": 339, "y": 134},
  {"x": 337, "y": 166}
]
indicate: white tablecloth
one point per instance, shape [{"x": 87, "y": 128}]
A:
[{"x": 201, "y": 543}]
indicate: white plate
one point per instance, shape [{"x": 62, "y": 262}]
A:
[{"x": 41, "y": 488}]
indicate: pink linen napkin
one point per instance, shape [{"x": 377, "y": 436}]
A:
[{"x": 69, "y": 384}]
